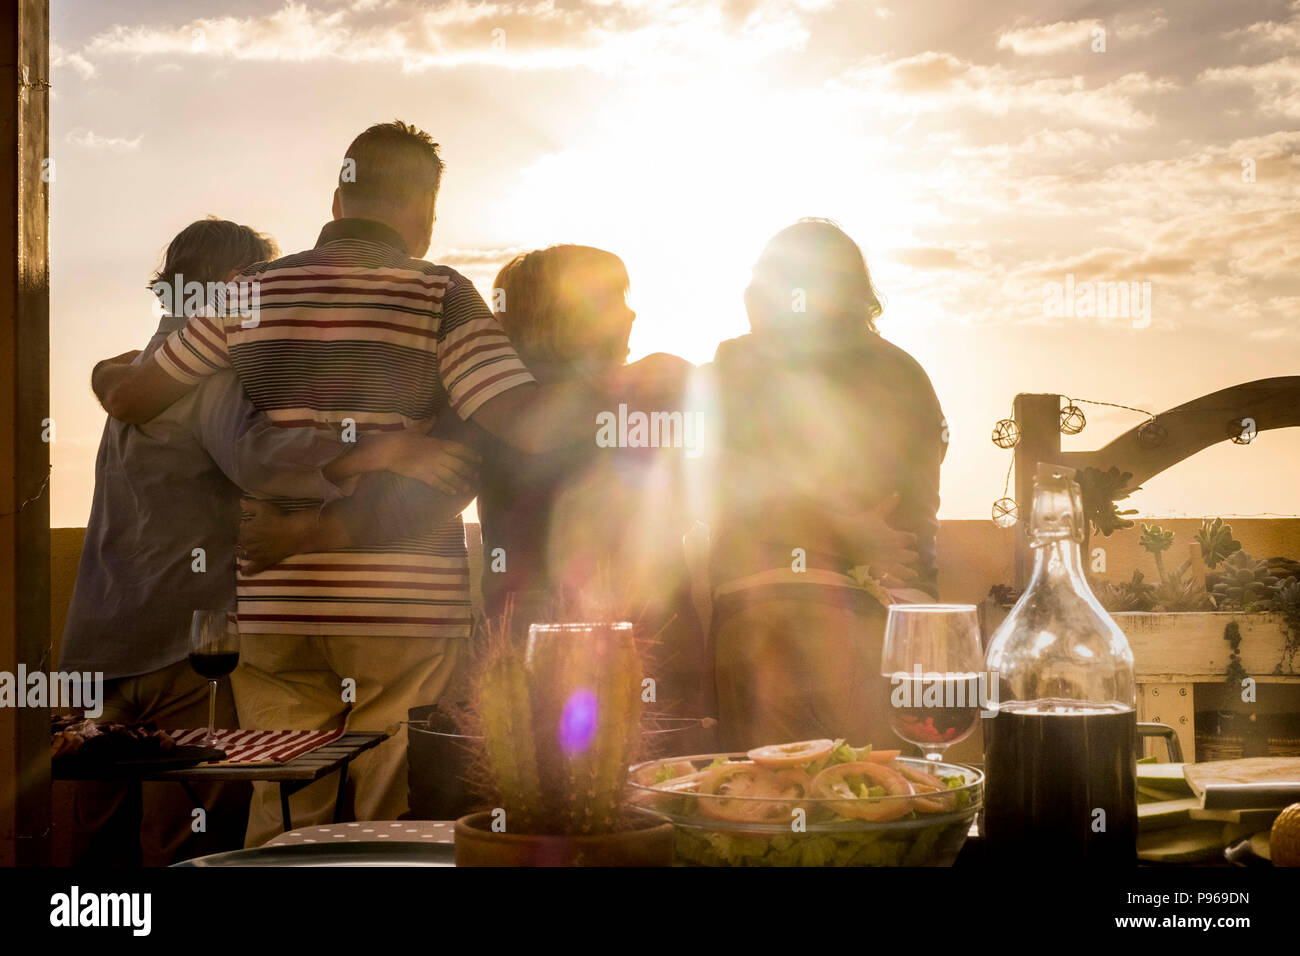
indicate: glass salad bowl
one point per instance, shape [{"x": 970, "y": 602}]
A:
[{"x": 729, "y": 811}]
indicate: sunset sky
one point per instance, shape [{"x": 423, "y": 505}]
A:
[{"x": 976, "y": 151}]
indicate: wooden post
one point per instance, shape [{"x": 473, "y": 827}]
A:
[
  {"x": 1039, "y": 420},
  {"x": 24, "y": 413}
]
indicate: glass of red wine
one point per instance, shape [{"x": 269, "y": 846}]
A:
[
  {"x": 932, "y": 660},
  {"x": 214, "y": 652}
]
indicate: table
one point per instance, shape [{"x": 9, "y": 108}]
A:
[
  {"x": 292, "y": 775},
  {"x": 393, "y": 831}
]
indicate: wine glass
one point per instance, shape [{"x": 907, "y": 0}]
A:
[
  {"x": 214, "y": 652},
  {"x": 933, "y": 659}
]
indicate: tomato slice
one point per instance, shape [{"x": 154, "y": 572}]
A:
[
  {"x": 779, "y": 756},
  {"x": 759, "y": 793},
  {"x": 922, "y": 782},
  {"x": 833, "y": 783},
  {"x": 791, "y": 785},
  {"x": 791, "y": 782},
  {"x": 740, "y": 778}
]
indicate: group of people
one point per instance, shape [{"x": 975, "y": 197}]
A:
[{"x": 308, "y": 461}]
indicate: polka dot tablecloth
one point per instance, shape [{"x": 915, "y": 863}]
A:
[{"x": 372, "y": 831}]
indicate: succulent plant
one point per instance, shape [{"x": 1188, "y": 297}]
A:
[
  {"x": 1099, "y": 491},
  {"x": 1178, "y": 593},
  {"x": 1284, "y": 567},
  {"x": 1236, "y": 673},
  {"x": 1132, "y": 595},
  {"x": 560, "y": 724},
  {"x": 1278, "y": 596},
  {"x": 1244, "y": 583},
  {"x": 1156, "y": 540},
  {"x": 1217, "y": 542},
  {"x": 1287, "y": 596}
]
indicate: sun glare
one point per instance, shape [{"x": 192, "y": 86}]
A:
[{"x": 687, "y": 185}]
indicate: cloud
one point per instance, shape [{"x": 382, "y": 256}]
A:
[
  {"x": 1076, "y": 35},
  {"x": 929, "y": 257},
  {"x": 481, "y": 256},
  {"x": 60, "y": 58},
  {"x": 1276, "y": 84},
  {"x": 1206, "y": 270},
  {"x": 1050, "y": 38},
  {"x": 89, "y": 139},
  {"x": 1111, "y": 264},
  {"x": 1271, "y": 34},
  {"x": 1209, "y": 178},
  {"x": 1135, "y": 26},
  {"x": 937, "y": 81},
  {"x": 1272, "y": 334},
  {"x": 511, "y": 34}
]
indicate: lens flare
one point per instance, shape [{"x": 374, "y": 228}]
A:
[{"x": 578, "y": 722}]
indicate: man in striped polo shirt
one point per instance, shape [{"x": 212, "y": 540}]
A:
[{"x": 358, "y": 332}]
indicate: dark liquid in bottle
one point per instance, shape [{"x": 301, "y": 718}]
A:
[
  {"x": 1050, "y": 766},
  {"x": 949, "y": 717},
  {"x": 216, "y": 665}
]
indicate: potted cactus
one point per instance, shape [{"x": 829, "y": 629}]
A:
[{"x": 559, "y": 720}]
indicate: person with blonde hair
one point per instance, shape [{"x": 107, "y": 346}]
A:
[{"x": 584, "y": 521}]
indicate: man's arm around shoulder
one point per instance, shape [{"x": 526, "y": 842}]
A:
[{"x": 134, "y": 392}]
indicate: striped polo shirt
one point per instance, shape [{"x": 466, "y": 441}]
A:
[{"x": 355, "y": 329}]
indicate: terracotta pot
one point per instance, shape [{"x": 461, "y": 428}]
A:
[{"x": 643, "y": 843}]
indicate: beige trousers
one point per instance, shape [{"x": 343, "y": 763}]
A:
[{"x": 297, "y": 682}]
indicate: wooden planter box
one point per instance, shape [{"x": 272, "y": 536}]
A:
[{"x": 1173, "y": 653}]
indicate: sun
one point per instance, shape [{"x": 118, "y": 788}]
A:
[{"x": 686, "y": 182}]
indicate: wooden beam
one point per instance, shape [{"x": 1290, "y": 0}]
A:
[
  {"x": 1196, "y": 425},
  {"x": 24, "y": 410}
]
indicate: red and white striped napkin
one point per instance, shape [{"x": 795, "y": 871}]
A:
[{"x": 252, "y": 747}]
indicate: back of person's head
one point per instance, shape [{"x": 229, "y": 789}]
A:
[
  {"x": 811, "y": 275},
  {"x": 211, "y": 250},
  {"x": 392, "y": 171},
  {"x": 565, "y": 309}
]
